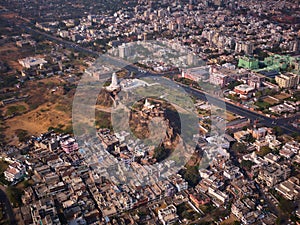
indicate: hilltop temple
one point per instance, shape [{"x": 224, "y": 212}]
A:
[{"x": 114, "y": 86}]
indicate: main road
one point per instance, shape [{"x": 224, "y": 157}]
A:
[{"x": 284, "y": 123}]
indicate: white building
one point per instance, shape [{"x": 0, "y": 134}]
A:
[
  {"x": 168, "y": 215},
  {"x": 124, "y": 50},
  {"x": 31, "y": 61},
  {"x": 14, "y": 172},
  {"x": 114, "y": 86}
]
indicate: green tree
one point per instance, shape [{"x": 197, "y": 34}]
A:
[
  {"x": 278, "y": 130},
  {"x": 239, "y": 147},
  {"x": 249, "y": 138},
  {"x": 14, "y": 194},
  {"x": 22, "y": 135},
  {"x": 246, "y": 164},
  {"x": 233, "y": 84},
  {"x": 160, "y": 153},
  {"x": 191, "y": 175}
]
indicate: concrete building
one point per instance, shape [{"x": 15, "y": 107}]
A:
[
  {"x": 124, "y": 50},
  {"x": 273, "y": 174},
  {"x": 244, "y": 91},
  {"x": 290, "y": 188},
  {"x": 69, "y": 145},
  {"x": 31, "y": 62},
  {"x": 15, "y": 171},
  {"x": 218, "y": 78},
  {"x": 248, "y": 63},
  {"x": 287, "y": 80},
  {"x": 168, "y": 215}
]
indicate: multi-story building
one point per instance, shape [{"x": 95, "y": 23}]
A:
[
  {"x": 44, "y": 212},
  {"x": 218, "y": 78},
  {"x": 287, "y": 80},
  {"x": 124, "y": 50},
  {"x": 218, "y": 197},
  {"x": 248, "y": 63},
  {"x": 273, "y": 174},
  {"x": 290, "y": 188},
  {"x": 69, "y": 145},
  {"x": 199, "y": 199}
]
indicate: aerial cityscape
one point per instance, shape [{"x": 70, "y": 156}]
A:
[{"x": 150, "y": 112}]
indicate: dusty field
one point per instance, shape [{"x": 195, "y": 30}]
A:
[
  {"x": 10, "y": 53},
  {"x": 44, "y": 109},
  {"x": 230, "y": 116},
  {"x": 36, "y": 121},
  {"x": 230, "y": 220},
  {"x": 282, "y": 96},
  {"x": 270, "y": 100}
]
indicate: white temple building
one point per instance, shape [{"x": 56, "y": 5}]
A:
[
  {"x": 148, "y": 105},
  {"x": 114, "y": 86}
]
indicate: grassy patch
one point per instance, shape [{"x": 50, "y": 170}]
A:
[
  {"x": 102, "y": 119},
  {"x": 264, "y": 151},
  {"x": 22, "y": 135},
  {"x": 63, "y": 108},
  {"x": 15, "y": 110},
  {"x": 262, "y": 105},
  {"x": 186, "y": 212}
]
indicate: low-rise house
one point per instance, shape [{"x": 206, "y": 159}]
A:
[
  {"x": 44, "y": 212},
  {"x": 273, "y": 142},
  {"x": 218, "y": 197},
  {"x": 168, "y": 215},
  {"x": 289, "y": 149},
  {"x": 232, "y": 172},
  {"x": 260, "y": 143},
  {"x": 199, "y": 199},
  {"x": 241, "y": 135},
  {"x": 15, "y": 172},
  {"x": 282, "y": 108},
  {"x": 271, "y": 158}
]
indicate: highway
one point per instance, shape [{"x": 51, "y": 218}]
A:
[
  {"x": 287, "y": 128},
  {"x": 252, "y": 115}
]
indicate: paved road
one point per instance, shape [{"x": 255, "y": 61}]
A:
[
  {"x": 8, "y": 207},
  {"x": 270, "y": 122},
  {"x": 264, "y": 120}
]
